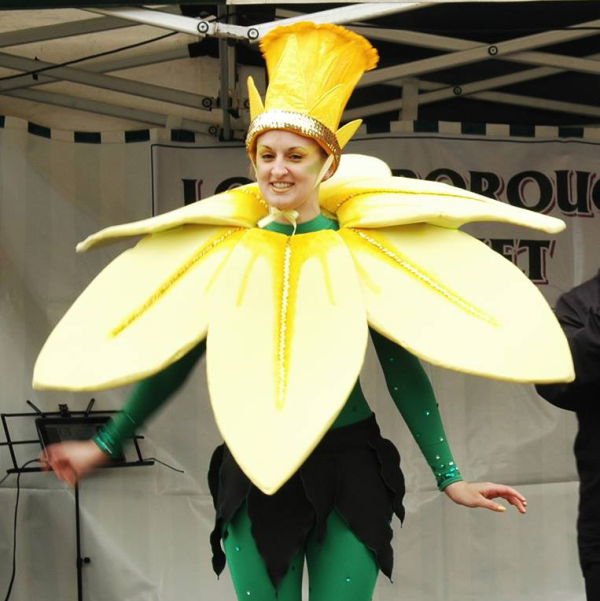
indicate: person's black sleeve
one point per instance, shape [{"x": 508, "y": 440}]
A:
[{"x": 581, "y": 324}]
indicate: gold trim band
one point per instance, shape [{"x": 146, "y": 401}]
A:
[{"x": 298, "y": 123}]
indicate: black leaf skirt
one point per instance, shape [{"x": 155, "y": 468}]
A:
[{"x": 353, "y": 470}]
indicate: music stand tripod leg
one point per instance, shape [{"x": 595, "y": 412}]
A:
[{"x": 80, "y": 560}]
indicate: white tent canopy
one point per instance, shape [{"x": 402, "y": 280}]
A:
[{"x": 167, "y": 82}]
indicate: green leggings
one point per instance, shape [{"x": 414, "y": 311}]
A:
[{"x": 340, "y": 567}]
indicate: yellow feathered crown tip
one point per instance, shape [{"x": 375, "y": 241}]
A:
[{"x": 313, "y": 70}]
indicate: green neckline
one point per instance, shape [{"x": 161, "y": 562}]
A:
[{"x": 320, "y": 222}]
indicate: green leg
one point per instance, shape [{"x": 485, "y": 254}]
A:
[
  {"x": 341, "y": 567},
  {"x": 248, "y": 571}
]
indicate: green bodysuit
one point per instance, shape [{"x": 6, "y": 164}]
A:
[{"x": 341, "y": 553}]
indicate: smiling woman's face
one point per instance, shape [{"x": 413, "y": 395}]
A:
[{"x": 287, "y": 167}]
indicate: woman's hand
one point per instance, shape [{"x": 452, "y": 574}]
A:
[
  {"x": 480, "y": 494},
  {"x": 73, "y": 459}
]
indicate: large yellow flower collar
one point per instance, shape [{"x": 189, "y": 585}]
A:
[{"x": 287, "y": 317}]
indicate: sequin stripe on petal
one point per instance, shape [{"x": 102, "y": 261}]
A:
[
  {"x": 163, "y": 288},
  {"x": 428, "y": 280},
  {"x": 282, "y": 331},
  {"x": 254, "y": 193}
]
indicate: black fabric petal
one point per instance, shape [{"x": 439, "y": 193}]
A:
[
  {"x": 228, "y": 495},
  {"x": 280, "y": 525},
  {"x": 353, "y": 470},
  {"x": 389, "y": 461},
  {"x": 319, "y": 477}
]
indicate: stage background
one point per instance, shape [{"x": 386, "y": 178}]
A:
[{"x": 146, "y": 529}]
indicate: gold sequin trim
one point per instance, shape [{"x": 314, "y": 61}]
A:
[
  {"x": 283, "y": 323},
  {"x": 298, "y": 123},
  {"x": 171, "y": 281},
  {"x": 428, "y": 281},
  {"x": 255, "y": 194}
]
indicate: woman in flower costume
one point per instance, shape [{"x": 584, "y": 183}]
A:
[{"x": 279, "y": 282}]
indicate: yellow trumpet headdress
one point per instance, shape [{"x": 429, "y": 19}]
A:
[{"x": 312, "y": 70}]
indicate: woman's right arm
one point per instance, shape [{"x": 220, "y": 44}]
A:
[
  {"x": 147, "y": 396},
  {"x": 73, "y": 460}
]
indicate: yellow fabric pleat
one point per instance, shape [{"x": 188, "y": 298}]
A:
[
  {"x": 454, "y": 302},
  {"x": 142, "y": 312},
  {"x": 287, "y": 336}
]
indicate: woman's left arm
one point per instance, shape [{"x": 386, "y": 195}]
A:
[{"x": 413, "y": 395}]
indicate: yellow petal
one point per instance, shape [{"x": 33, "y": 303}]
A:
[
  {"x": 241, "y": 207},
  {"x": 379, "y": 200},
  {"x": 454, "y": 302},
  {"x": 256, "y": 103},
  {"x": 142, "y": 312},
  {"x": 344, "y": 133},
  {"x": 286, "y": 342},
  {"x": 354, "y": 167}
]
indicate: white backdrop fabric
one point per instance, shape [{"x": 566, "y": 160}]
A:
[{"x": 146, "y": 529}]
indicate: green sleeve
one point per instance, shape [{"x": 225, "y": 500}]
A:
[
  {"x": 413, "y": 395},
  {"x": 147, "y": 396}
]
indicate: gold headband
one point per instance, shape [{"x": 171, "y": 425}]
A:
[{"x": 298, "y": 123}]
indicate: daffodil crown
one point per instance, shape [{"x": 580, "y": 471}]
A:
[{"x": 312, "y": 70}]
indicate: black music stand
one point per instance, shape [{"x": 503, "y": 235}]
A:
[{"x": 57, "y": 426}]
